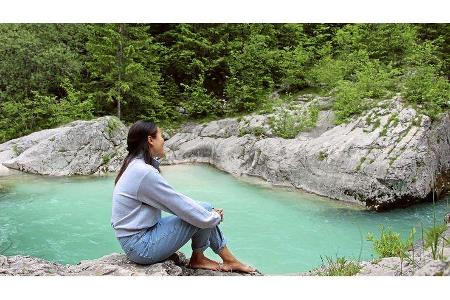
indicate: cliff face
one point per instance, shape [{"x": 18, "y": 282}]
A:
[{"x": 389, "y": 157}]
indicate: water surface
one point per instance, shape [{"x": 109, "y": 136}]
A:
[{"x": 277, "y": 230}]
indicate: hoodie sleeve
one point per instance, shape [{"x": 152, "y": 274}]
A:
[{"x": 155, "y": 191}]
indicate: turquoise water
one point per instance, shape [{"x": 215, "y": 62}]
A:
[{"x": 277, "y": 230}]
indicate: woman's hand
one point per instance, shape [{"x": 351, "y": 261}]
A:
[{"x": 220, "y": 212}]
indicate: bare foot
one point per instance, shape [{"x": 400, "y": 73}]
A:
[
  {"x": 204, "y": 263},
  {"x": 237, "y": 266}
]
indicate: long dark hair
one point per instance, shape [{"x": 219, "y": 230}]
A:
[{"x": 137, "y": 144}]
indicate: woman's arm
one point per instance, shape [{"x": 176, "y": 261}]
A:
[{"x": 154, "y": 190}]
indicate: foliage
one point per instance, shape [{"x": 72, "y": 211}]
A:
[
  {"x": 173, "y": 73},
  {"x": 339, "y": 267},
  {"x": 390, "y": 243},
  {"x": 432, "y": 238},
  {"x": 286, "y": 123},
  {"x": 123, "y": 69},
  {"x": 198, "y": 101}
]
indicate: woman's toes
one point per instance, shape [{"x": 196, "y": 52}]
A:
[{"x": 238, "y": 266}]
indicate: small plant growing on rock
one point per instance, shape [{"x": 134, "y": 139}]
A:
[
  {"x": 322, "y": 155},
  {"x": 417, "y": 120},
  {"x": 390, "y": 243},
  {"x": 434, "y": 235},
  {"x": 361, "y": 161},
  {"x": 339, "y": 267},
  {"x": 15, "y": 150},
  {"x": 376, "y": 124},
  {"x": 258, "y": 131},
  {"x": 106, "y": 158},
  {"x": 113, "y": 124}
]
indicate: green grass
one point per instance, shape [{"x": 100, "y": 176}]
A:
[
  {"x": 390, "y": 243},
  {"x": 434, "y": 235},
  {"x": 339, "y": 267}
]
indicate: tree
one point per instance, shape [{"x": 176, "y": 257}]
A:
[{"x": 123, "y": 69}]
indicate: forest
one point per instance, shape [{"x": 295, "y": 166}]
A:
[{"x": 51, "y": 74}]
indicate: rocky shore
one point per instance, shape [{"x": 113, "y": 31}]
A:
[
  {"x": 114, "y": 264},
  {"x": 392, "y": 156},
  {"x": 421, "y": 264}
]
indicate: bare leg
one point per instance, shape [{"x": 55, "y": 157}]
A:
[
  {"x": 200, "y": 261},
  {"x": 230, "y": 263}
]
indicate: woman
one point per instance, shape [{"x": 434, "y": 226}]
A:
[{"x": 141, "y": 193}]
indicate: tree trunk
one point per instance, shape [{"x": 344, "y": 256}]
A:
[{"x": 120, "y": 55}]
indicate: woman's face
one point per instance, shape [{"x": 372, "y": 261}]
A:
[{"x": 156, "y": 144}]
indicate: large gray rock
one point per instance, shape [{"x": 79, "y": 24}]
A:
[
  {"x": 389, "y": 157},
  {"x": 113, "y": 264},
  {"x": 78, "y": 148}
]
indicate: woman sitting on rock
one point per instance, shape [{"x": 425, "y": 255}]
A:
[{"x": 141, "y": 193}]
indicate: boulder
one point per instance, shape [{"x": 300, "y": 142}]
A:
[{"x": 78, "y": 148}]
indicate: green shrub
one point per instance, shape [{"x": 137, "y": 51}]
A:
[
  {"x": 198, "y": 101},
  {"x": 372, "y": 82},
  {"x": 427, "y": 91},
  {"x": 338, "y": 267},
  {"x": 113, "y": 124},
  {"x": 106, "y": 158},
  {"x": 288, "y": 124},
  {"x": 432, "y": 238},
  {"x": 390, "y": 243}
]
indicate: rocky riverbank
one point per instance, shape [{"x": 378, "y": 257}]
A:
[
  {"x": 421, "y": 263},
  {"x": 390, "y": 157},
  {"x": 113, "y": 264}
]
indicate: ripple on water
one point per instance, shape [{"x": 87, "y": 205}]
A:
[{"x": 278, "y": 230}]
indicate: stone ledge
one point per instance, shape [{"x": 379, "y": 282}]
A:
[{"x": 113, "y": 264}]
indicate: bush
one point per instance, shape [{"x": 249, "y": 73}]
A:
[
  {"x": 373, "y": 81},
  {"x": 426, "y": 90},
  {"x": 390, "y": 243},
  {"x": 288, "y": 124},
  {"x": 42, "y": 112},
  {"x": 432, "y": 238},
  {"x": 340, "y": 267},
  {"x": 198, "y": 102}
]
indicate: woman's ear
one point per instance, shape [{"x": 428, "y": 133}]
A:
[{"x": 150, "y": 140}]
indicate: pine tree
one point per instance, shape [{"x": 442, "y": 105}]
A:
[{"x": 123, "y": 66}]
